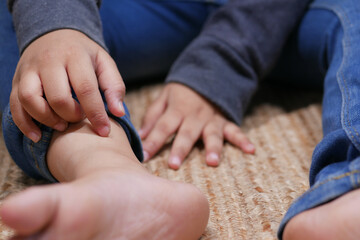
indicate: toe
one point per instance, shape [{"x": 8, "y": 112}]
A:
[{"x": 29, "y": 211}]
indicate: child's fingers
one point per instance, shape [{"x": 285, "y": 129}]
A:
[
  {"x": 152, "y": 115},
  {"x": 84, "y": 82},
  {"x": 163, "y": 129},
  {"x": 213, "y": 139},
  {"x": 58, "y": 93},
  {"x": 111, "y": 83},
  {"x": 30, "y": 95},
  {"x": 234, "y": 135},
  {"x": 185, "y": 139},
  {"x": 22, "y": 119}
]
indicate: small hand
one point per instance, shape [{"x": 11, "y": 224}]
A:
[
  {"x": 47, "y": 71},
  {"x": 181, "y": 110}
]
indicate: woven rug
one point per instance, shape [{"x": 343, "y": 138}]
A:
[{"x": 248, "y": 194}]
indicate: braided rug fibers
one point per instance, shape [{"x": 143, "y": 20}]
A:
[{"x": 248, "y": 194}]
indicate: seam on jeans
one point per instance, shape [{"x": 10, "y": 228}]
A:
[
  {"x": 351, "y": 129},
  {"x": 34, "y": 156},
  {"x": 332, "y": 179},
  {"x": 349, "y": 126},
  {"x": 10, "y": 120},
  {"x": 344, "y": 60},
  {"x": 345, "y": 112}
]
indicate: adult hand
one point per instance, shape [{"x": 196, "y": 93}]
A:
[
  {"x": 49, "y": 68},
  {"x": 181, "y": 110}
]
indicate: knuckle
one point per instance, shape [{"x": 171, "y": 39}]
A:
[
  {"x": 240, "y": 138},
  {"x": 58, "y": 101},
  {"x": 150, "y": 146},
  {"x": 86, "y": 89},
  {"x": 231, "y": 129},
  {"x": 13, "y": 99},
  {"x": 155, "y": 107},
  {"x": 26, "y": 96},
  {"x": 47, "y": 55},
  {"x": 174, "y": 115},
  {"x": 211, "y": 129},
  {"x": 47, "y": 119},
  {"x": 97, "y": 117},
  {"x": 213, "y": 134},
  {"x": 186, "y": 134},
  {"x": 72, "y": 51},
  {"x": 116, "y": 89},
  {"x": 177, "y": 114},
  {"x": 119, "y": 87},
  {"x": 199, "y": 113},
  {"x": 238, "y": 133},
  {"x": 164, "y": 128}
]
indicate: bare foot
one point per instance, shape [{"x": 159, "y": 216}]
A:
[
  {"x": 107, "y": 205},
  {"x": 106, "y": 194},
  {"x": 338, "y": 219}
]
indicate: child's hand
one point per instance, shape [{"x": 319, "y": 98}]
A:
[
  {"x": 49, "y": 68},
  {"x": 182, "y": 110}
]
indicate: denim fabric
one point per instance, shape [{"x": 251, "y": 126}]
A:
[
  {"x": 132, "y": 42},
  {"x": 146, "y": 47},
  {"x": 328, "y": 39},
  {"x": 9, "y": 54}
]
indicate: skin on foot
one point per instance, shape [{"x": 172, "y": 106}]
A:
[
  {"x": 105, "y": 194},
  {"x": 109, "y": 205},
  {"x": 336, "y": 220}
]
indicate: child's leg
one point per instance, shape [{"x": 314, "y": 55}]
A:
[
  {"x": 146, "y": 36},
  {"x": 9, "y": 54},
  {"x": 330, "y": 209},
  {"x": 107, "y": 194}
]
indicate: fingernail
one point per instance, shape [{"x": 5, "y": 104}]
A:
[
  {"x": 34, "y": 136},
  {"x": 61, "y": 126},
  {"x": 121, "y": 107},
  {"x": 146, "y": 156},
  {"x": 250, "y": 147},
  {"x": 175, "y": 162},
  {"x": 104, "y": 131},
  {"x": 212, "y": 159}
]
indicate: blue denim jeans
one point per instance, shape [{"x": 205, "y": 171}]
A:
[
  {"x": 325, "y": 50},
  {"x": 142, "y": 48}
]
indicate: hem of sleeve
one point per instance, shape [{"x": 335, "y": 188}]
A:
[
  {"x": 33, "y": 19},
  {"x": 214, "y": 70}
]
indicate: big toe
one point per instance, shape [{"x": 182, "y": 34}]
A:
[{"x": 29, "y": 211}]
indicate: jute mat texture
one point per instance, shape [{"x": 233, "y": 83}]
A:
[{"x": 248, "y": 194}]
